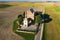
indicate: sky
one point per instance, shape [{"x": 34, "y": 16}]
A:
[{"x": 30, "y": 0}]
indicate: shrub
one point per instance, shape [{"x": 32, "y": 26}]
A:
[
  {"x": 15, "y": 25},
  {"x": 38, "y": 19},
  {"x": 20, "y": 19}
]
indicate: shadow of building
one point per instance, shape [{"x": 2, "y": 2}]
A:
[{"x": 46, "y": 18}]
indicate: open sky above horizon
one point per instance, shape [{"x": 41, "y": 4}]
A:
[{"x": 30, "y": 0}]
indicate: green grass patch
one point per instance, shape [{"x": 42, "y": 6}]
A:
[
  {"x": 44, "y": 32},
  {"x": 26, "y": 36},
  {"x": 26, "y": 4},
  {"x": 29, "y": 4},
  {"x": 50, "y": 7},
  {"x": 57, "y": 9},
  {"x": 56, "y": 17},
  {"x": 4, "y": 5},
  {"x": 15, "y": 26}
]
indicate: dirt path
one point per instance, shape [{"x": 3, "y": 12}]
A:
[{"x": 7, "y": 16}]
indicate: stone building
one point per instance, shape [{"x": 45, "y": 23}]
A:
[{"x": 30, "y": 16}]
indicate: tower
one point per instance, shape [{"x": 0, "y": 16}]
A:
[{"x": 25, "y": 22}]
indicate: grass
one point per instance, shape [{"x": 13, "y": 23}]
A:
[
  {"x": 58, "y": 9},
  {"x": 26, "y": 36},
  {"x": 15, "y": 26},
  {"x": 29, "y": 4},
  {"x": 44, "y": 32},
  {"x": 53, "y": 27},
  {"x": 3, "y": 6}
]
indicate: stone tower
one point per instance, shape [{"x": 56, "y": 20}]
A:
[{"x": 25, "y": 22}]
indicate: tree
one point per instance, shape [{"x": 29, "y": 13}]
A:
[
  {"x": 20, "y": 19},
  {"x": 38, "y": 19}
]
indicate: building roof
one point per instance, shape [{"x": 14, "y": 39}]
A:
[{"x": 32, "y": 10}]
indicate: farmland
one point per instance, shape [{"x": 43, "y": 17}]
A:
[{"x": 9, "y": 14}]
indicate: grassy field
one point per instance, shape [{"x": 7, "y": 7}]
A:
[
  {"x": 26, "y": 36},
  {"x": 53, "y": 27}
]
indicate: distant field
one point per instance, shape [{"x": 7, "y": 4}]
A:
[
  {"x": 58, "y": 9},
  {"x": 53, "y": 9}
]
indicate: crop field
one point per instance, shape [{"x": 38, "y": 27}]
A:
[{"x": 9, "y": 14}]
